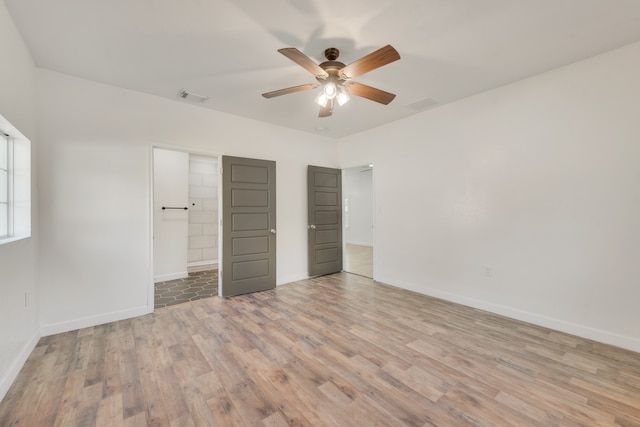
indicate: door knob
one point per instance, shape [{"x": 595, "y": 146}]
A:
[
  {"x": 312, "y": 227},
  {"x": 273, "y": 231}
]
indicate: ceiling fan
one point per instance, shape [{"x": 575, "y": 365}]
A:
[{"x": 335, "y": 77}]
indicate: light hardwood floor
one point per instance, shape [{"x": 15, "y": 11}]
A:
[
  {"x": 359, "y": 260},
  {"x": 336, "y": 350}
]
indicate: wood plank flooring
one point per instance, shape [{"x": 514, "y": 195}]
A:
[
  {"x": 359, "y": 260},
  {"x": 338, "y": 350}
]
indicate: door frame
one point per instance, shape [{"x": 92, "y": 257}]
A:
[
  {"x": 373, "y": 204},
  {"x": 150, "y": 266}
]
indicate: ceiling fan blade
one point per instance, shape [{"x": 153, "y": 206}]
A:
[
  {"x": 377, "y": 59},
  {"x": 304, "y": 61},
  {"x": 327, "y": 110},
  {"x": 289, "y": 90},
  {"x": 371, "y": 93}
]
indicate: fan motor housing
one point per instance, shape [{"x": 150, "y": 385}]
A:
[{"x": 333, "y": 69}]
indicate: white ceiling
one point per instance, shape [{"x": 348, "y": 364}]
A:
[{"x": 226, "y": 49}]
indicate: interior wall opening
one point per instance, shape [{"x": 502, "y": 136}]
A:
[
  {"x": 185, "y": 226},
  {"x": 358, "y": 220}
]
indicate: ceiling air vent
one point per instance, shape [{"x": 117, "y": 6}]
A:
[{"x": 190, "y": 96}]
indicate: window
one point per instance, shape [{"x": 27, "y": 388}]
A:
[{"x": 15, "y": 184}]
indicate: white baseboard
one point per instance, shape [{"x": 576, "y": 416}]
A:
[
  {"x": 200, "y": 263},
  {"x": 360, "y": 243},
  {"x": 193, "y": 267},
  {"x": 172, "y": 276},
  {"x": 582, "y": 331},
  {"x": 17, "y": 364},
  {"x": 86, "y": 322},
  {"x": 291, "y": 278}
]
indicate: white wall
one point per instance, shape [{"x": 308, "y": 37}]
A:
[
  {"x": 538, "y": 181},
  {"x": 203, "y": 212},
  {"x": 358, "y": 189},
  {"x": 94, "y": 179},
  {"x": 18, "y": 260},
  {"x": 170, "y": 226}
]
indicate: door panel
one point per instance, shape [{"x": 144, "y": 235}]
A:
[
  {"x": 325, "y": 199},
  {"x": 248, "y": 226},
  {"x": 250, "y": 221},
  {"x": 324, "y": 256},
  {"x": 326, "y": 236},
  {"x": 250, "y": 245},
  {"x": 254, "y": 198},
  {"x": 325, "y": 220}
]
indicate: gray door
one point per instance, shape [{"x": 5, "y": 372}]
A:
[
  {"x": 248, "y": 226},
  {"x": 325, "y": 220}
]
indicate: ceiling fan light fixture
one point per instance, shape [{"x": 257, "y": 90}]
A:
[
  {"x": 342, "y": 98},
  {"x": 330, "y": 90},
  {"x": 322, "y": 99}
]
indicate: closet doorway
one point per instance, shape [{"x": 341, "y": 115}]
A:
[
  {"x": 185, "y": 226},
  {"x": 358, "y": 224}
]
